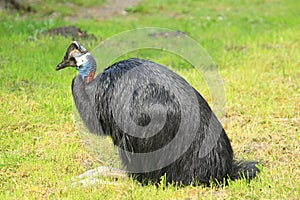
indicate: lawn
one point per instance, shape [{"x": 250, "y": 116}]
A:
[{"x": 254, "y": 44}]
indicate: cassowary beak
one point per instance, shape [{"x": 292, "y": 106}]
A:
[{"x": 64, "y": 64}]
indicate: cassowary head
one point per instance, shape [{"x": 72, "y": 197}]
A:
[{"x": 77, "y": 56}]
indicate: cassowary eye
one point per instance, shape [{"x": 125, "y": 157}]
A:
[{"x": 72, "y": 59}]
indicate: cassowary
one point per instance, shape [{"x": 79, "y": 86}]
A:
[{"x": 141, "y": 105}]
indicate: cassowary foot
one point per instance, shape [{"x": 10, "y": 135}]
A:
[{"x": 93, "y": 176}]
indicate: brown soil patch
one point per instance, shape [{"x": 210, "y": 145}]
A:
[{"x": 70, "y": 31}]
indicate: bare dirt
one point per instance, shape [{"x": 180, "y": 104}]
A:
[
  {"x": 20, "y": 5},
  {"x": 109, "y": 9}
]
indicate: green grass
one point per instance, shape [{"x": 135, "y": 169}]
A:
[{"x": 255, "y": 45}]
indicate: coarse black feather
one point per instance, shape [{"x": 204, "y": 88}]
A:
[{"x": 94, "y": 103}]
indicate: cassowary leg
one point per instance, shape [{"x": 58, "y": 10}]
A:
[{"x": 93, "y": 176}]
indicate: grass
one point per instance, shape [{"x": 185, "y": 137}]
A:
[{"x": 255, "y": 45}]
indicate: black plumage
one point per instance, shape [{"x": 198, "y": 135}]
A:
[{"x": 98, "y": 101}]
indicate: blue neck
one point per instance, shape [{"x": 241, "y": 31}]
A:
[
  {"x": 86, "y": 65},
  {"x": 84, "y": 71}
]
